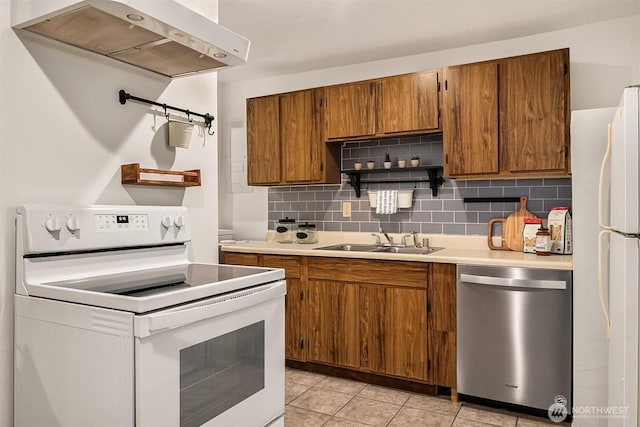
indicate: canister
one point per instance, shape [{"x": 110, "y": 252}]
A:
[
  {"x": 306, "y": 233},
  {"x": 285, "y": 230}
]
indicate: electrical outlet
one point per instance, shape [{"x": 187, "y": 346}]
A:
[{"x": 346, "y": 209}]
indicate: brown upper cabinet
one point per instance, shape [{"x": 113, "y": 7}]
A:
[
  {"x": 534, "y": 112},
  {"x": 404, "y": 104},
  {"x": 508, "y": 117},
  {"x": 263, "y": 140},
  {"x": 409, "y": 103},
  {"x": 470, "y": 119},
  {"x": 351, "y": 110},
  {"x": 285, "y": 143}
]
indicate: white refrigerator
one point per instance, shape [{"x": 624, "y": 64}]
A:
[
  {"x": 623, "y": 229},
  {"x": 605, "y": 182},
  {"x": 590, "y": 343}
]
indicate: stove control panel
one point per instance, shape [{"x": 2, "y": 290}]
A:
[
  {"x": 113, "y": 222},
  {"x": 54, "y": 228}
]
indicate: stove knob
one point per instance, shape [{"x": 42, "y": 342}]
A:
[
  {"x": 52, "y": 224},
  {"x": 73, "y": 224},
  {"x": 179, "y": 221},
  {"x": 166, "y": 222}
]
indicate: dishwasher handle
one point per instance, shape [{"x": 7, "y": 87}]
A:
[{"x": 513, "y": 283}]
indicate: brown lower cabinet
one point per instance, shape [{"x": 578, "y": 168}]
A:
[
  {"x": 390, "y": 318},
  {"x": 442, "y": 323},
  {"x": 393, "y": 327},
  {"x": 333, "y": 323},
  {"x": 294, "y": 313}
]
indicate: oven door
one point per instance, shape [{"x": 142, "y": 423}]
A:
[{"x": 216, "y": 362}]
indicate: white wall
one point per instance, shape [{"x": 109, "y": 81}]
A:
[
  {"x": 64, "y": 135},
  {"x": 604, "y": 58}
]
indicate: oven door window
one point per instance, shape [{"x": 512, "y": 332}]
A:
[{"x": 217, "y": 374}]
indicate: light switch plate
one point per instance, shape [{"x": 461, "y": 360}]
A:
[{"x": 346, "y": 209}]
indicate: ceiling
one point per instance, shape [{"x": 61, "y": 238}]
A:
[{"x": 291, "y": 36}]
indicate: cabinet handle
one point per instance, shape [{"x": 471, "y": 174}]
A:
[
  {"x": 446, "y": 158},
  {"x": 446, "y": 85},
  {"x": 321, "y": 166}
]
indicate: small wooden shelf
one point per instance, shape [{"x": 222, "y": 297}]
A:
[
  {"x": 131, "y": 174},
  {"x": 432, "y": 172}
]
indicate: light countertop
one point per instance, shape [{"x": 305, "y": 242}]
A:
[{"x": 457, "y": 250}]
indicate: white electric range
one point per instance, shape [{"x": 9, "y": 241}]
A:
[{"x": 114, "y": 326}]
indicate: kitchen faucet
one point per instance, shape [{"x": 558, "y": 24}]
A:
[
  {"x": 384, "y": 233},
  {"x": 415, "y": 238},
  {"x": 390, "y": 242}
]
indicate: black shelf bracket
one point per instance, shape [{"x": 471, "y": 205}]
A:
[
  {"x": 208, "y": 118},
  {"x": 356, "y": 181}
]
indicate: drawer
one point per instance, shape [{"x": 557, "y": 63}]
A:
[
  {"x": 240, "y": 259},
  {"x": 399, "y": 273},
  {"x": 291, "y": 264}
]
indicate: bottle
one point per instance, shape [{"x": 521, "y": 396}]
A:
[{"x": 543, "y": 242}]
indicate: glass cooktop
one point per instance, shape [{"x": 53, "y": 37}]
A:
[{"x": 143, "y": 283}]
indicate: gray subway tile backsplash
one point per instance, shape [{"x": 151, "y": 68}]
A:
[{"x": 445, "y": 213}]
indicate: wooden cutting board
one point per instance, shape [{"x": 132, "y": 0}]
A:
[{"x": 512, "y": 227}]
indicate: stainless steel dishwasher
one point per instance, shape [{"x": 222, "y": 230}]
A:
[{"x": 514, "y": 334}]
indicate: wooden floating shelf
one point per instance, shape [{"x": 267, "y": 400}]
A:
[
  {"x": 132, "y": 174},
  {"x": 433, "y": 179}
]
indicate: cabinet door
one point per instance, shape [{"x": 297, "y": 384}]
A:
[
  {"x": 263, "y": 141},
  {"x": 302, "y": 144},
  {"x": 533, "y": 112},
  {"x": 442, "y": 324},
  {"x": 294, "y": 321},
  {"x": 409, "y": 102},
  {"x": 350, "y": 110},
  {"x": 333, "y": 323},
  {"x": 393, "y": 329},
  {"x": 294, "y": 314},
  {"x": 470, "y": 119}
]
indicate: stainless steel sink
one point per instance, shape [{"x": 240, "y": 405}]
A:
[
  {"x": 350, "y": 247},
  {"x": 406, "y": 250},
  {"x": 358, "y": 247}
]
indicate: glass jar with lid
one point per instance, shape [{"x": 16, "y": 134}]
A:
[
  {"x": 306, "y": 233},
  {"x": 543, "y": 242},
  {"x": 285, "y": 230}
]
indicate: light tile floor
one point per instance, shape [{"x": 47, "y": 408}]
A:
[{"x": 318, "y": 400}]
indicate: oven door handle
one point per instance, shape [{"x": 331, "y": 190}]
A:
[{"x": 148, "y": 324}]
